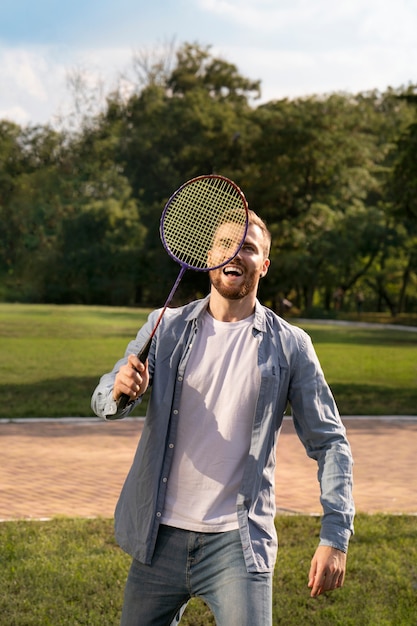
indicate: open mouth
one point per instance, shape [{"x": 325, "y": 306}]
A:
[{"x": 232, "y": 270}]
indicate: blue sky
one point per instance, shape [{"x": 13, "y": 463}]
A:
[{"x": 295, "y": 47}]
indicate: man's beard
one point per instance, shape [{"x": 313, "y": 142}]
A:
[{"x": 233, "y": 292}]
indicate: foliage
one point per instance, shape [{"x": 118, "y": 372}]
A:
[
  {"x": 69, "y": 571},
  {"x": 403, "y": 188},
  {"x": 334, "y": 176}
]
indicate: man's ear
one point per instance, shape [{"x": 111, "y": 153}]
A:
[{"x": 265, "y": 267}]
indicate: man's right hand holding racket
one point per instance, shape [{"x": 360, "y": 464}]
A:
[{"x": 132, "y": 379}]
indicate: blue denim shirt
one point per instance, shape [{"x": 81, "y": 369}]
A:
[{"x": 290, "y": 372}]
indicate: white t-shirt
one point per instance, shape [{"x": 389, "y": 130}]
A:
[{"x": 220, "y": 391}]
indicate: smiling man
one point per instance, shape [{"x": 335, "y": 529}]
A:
[{"x": 197, "y": 509}]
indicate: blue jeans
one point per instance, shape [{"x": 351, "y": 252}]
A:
[{"x": 205, "y": 565}]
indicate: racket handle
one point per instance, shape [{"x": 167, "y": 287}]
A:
[{"x": 124, "y": 399}]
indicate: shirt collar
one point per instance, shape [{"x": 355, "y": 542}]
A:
[{"x": 259, "y": 322}]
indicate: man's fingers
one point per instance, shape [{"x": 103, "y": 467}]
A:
[
  {"x": 128, "y": 379},
  {"x": 327, "y": 570},
  {"x": 325, "y": 582},
  {"x": 135, "y": 363}
]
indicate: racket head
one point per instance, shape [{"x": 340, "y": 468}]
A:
[{"x": 205, "y": 222}]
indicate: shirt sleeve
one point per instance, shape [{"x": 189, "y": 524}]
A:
[{"x": 321, "y": 430}]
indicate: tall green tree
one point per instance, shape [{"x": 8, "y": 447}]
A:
[
  {"x": 402, "y": 190},
  {"x": 11, "y": 166},
  {"x": 100, "y": 235},
  {"x": 30, "y": 199}
]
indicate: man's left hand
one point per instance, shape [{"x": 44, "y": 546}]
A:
[{"x": 327, "y": 571}]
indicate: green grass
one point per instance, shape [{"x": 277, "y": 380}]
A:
[
  {"x": 370, "y": 371},
  {"x": 51, "y": 358},
  {"x": 68, "y": 572}
]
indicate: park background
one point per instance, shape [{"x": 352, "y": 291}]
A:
[{"x": 334, "y": 176}]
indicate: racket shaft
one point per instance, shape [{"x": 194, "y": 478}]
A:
[{"x": 124, "y": 399}]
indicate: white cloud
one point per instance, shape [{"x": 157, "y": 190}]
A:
[
  {"x": 289, "y": 73},
  {"x": 261, "y": 15},
  {"x": 15, "y": 114},
  {"x": 382, "y": 20},
  {"x": 23, "y": 70},
  {"x": 394, "y": 22},
  {"x": 31, "y": 81},
  {"x": 34, "y": 81}
]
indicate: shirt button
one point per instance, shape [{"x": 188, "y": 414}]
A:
[
  {"x": 164, "y": 480},
  {"x": 180, "y": 379},
  {"x": 171, "y": 445},
  {"x": 175, "y": 411},
  {"x": 158, "y": 514}
]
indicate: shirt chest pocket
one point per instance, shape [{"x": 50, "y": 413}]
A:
[{"x": 273, "y": 393}]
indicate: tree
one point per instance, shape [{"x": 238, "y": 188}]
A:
[
  {"x": 95, "y": 259},
  {"x": 31, "y": 193},
  {"x": 197, "y": 69},
  {"x": 402, "y": 191}
]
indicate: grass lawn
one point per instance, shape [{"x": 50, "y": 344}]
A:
[
  {"x": 371, "y": 371},
  {"x": 69, "y": 571},
  {"x": 51, "y": 358}
]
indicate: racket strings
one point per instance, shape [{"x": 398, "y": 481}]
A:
[{"x": 194, "y": 215}]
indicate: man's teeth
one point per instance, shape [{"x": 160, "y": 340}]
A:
[{"x": 232, "y": 269}]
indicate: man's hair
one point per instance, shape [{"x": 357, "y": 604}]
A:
[
  {"x": 235, "y": 216},
  {"x": 257, "y": 221}
]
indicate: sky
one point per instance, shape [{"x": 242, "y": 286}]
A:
[{"x": 295, "y": 48}]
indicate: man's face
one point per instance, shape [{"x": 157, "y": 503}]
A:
[{"x": 241, "y": 276}]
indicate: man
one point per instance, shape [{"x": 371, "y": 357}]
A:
[{"x": 197, "y": 509}]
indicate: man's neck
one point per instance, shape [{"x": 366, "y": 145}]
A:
[{"x": 225, "y": 310}]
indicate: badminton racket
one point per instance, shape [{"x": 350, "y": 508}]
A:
[{"x": 202, "y": 227}]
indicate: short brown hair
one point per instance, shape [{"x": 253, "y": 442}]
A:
[{"x": 258, "y": 221}]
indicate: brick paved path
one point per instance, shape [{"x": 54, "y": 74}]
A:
[{"x": 77, "y": 468}]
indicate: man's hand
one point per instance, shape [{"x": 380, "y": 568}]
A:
[
  {"x": 132, "y": 379},
  {"x": 327, "y": 571}
]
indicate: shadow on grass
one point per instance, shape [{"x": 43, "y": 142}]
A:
[
  {"x": 361, "y": 337},
  {"x": 58, "y": 397},
  {"x": 374, "y": 400},
  {"x": 70, "y": 397}
]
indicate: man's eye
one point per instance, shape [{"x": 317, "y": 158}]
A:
[{"x": 227, "y": 244}]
